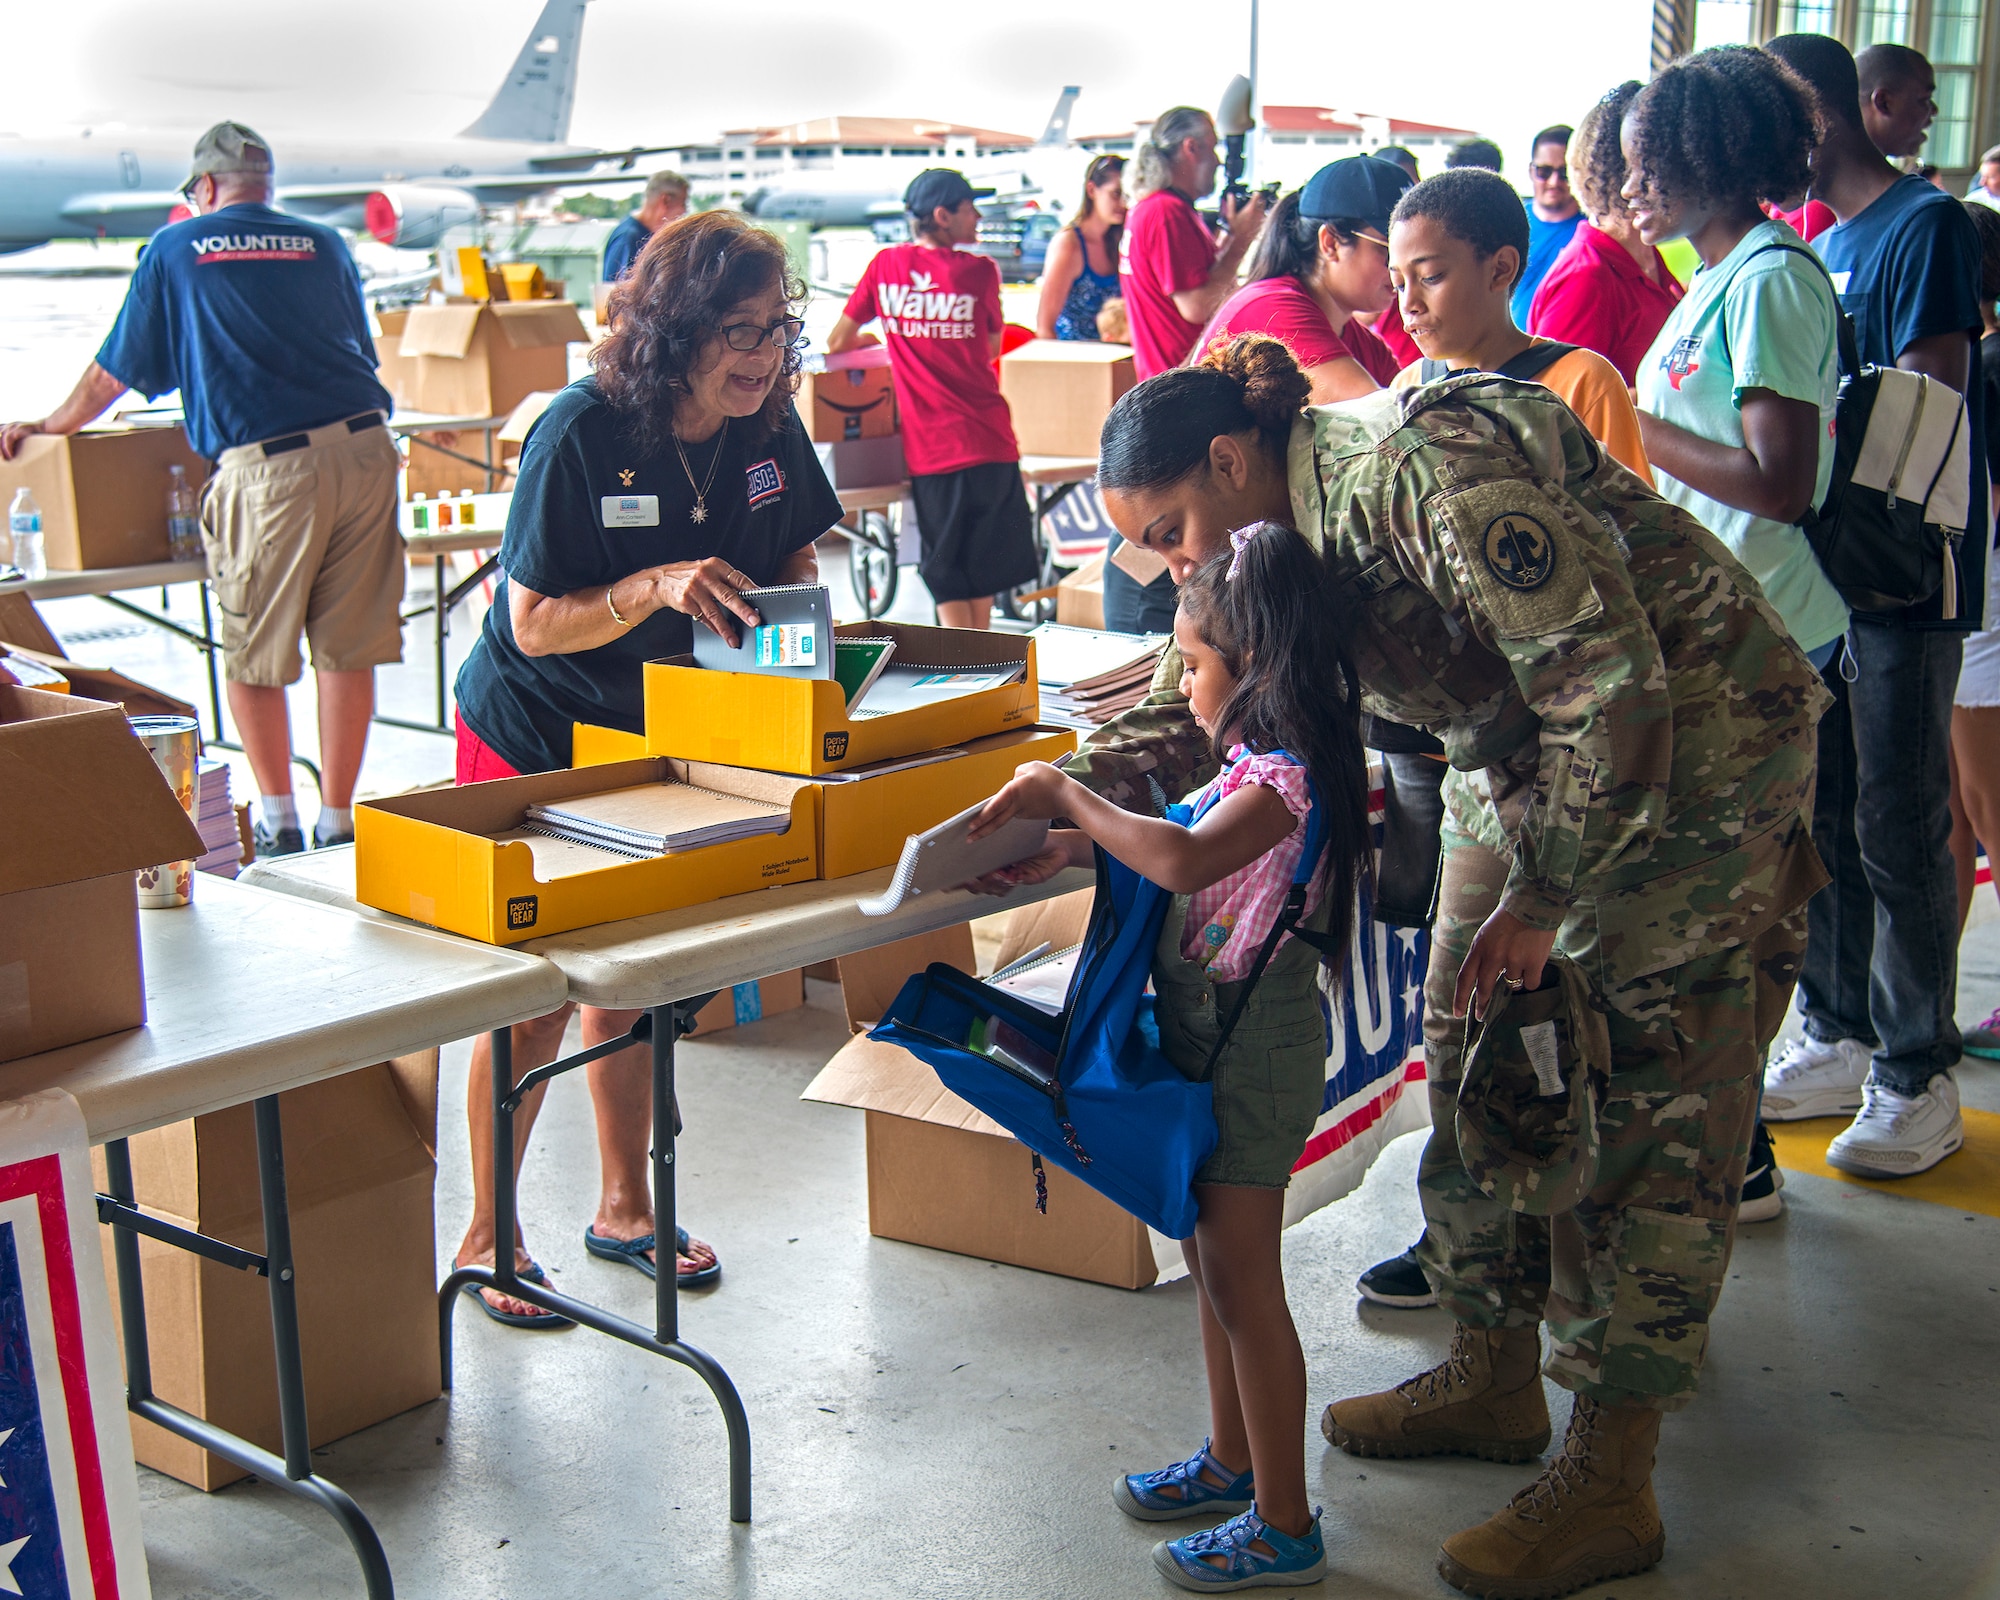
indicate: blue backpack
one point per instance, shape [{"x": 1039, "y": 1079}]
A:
[{"x": 1114, "y": 1110}]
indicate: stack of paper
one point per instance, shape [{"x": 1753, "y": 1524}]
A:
[
  {"x": 648, "y": 819},
  {"x": 222, "y": 845},
  {"x": 1088, "y": 676},
  {"x": 905, "y": 686}
]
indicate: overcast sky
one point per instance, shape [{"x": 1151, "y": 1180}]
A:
[{"x": 657, "y": 71}]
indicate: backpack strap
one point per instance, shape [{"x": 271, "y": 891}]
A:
[
  {"x": 1532, "y": 362},
  {"x": 1844, "y": 337}
]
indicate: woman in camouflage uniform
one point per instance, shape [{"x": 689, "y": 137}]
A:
[{"x": 1630, "y": 730}]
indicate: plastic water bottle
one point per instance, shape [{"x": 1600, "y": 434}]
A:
[
  {"x": 420, "y": 512},
  {"x": 183, "y": 525},
  {"x": 24, "y": 525}
]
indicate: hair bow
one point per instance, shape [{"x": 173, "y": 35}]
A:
[{"x": 1239, "y": 541}]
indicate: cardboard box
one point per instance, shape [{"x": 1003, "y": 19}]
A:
[
  {"x": 82, "y": 807},
  {"x": 397, "y": 372},
  {"x": 854, "y": 398},
  {"x": 863, "y": 463},
  {"x": 484, "y": 360},
  {"x": 749, "y": 719},
  {"x": 103, "y": 493},
  {"x": 1080, "y": 596},
  {"x": 101, "y": 683},
  {"x": 751, "y": 1002},
  {"x": 592, "y": 746},
  {"x": 428, "y": 857},
  {"x": 1061, "y": 390},
  {"x": 360, "y": 1168},
  {"x": 944, "y": 1175}
]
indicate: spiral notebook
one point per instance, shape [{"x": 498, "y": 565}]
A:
[
  {"x": 907, "y": 685},
  {"x": 943, "y": 857},
  {"x": 648, "y": 819},
  {"x": 794, "y": 639}
]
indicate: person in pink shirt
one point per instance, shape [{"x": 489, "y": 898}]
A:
[
  {"x": 1609, "y": 290},
  {"x": 1174, "y": 271},
  {"x": 939, "y": 305},
  {"x": 1322, "y": 265}
]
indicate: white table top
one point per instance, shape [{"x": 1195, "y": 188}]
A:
[
  {"x": 108, "y": 580},
  {"x": 1058, "y": 469},
  {"x": 675, "y": 955},
  {"x": 440, "y": 422},
  {"x": 250, "y": 992}
]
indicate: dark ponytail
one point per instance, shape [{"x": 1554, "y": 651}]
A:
[
  {"x": 1159, "y": 431},
  {"x": 1289, "y": 244},
  {"x": 1277, "y": 623}
]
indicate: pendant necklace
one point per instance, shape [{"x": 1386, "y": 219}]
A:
[{"x": 699, "y": 514}]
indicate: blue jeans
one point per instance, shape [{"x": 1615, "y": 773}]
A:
[{"x": 1881, "y": 962}]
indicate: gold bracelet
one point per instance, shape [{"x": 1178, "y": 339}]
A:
[{"x": 612, "y": 606}]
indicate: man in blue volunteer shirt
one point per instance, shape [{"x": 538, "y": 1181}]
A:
[
  {"x": 1879, "y": 985},
  {"x": 256, "y": 318},
  {"x": 666, "y": 198}
]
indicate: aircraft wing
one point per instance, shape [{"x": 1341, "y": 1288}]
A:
[{"x": 124, "y": 211}]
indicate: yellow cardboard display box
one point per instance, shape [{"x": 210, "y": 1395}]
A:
[
  {"x": 750, "y": 719},
  {"x": 429, "y": 857}
]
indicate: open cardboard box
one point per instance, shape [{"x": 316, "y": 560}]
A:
[
  {"x": 751, "y": 719},
  {"x": 1060, "y": 392},
  {"x": 360, "y": 1167},
  {"x": 483, "y": 360},
  {"x": 945, "y": 1175},
  {"x": 103, "y": 493},
  {"x": 82, "y": 807},
  {"x": 863, "y": 822},
  {"x": 428, "y": 857},
  {"x": 853, "y": 398}
]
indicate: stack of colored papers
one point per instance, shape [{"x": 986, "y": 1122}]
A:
[
  {"x": 1089, "y": 676},
  {"x": 215, "y": 817},
  {"x": 587, "y": 832}
]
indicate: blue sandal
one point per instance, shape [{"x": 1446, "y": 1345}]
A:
[
  {"x": 539, "y": 1318},
  {"x": 1291, "y": 1564},
  {"x": 633, "y": 1253},
  {"x": 1141, "y": 1494}
]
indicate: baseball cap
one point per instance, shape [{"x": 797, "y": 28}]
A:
[
  {"x": 229, "y": 147},
  {"x": 939, "y": 186},
  {"x": 1361, "y": 188}
]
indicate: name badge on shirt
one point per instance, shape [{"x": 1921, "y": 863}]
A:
[
  {"x": 630, "y": 510},
  {"x": 1840, "y": 281}
]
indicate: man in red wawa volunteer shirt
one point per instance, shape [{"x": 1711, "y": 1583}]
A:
[{"x": 940, "y": 313}]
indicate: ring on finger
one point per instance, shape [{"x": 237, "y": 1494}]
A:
[{"x": 1512, "y": 982}]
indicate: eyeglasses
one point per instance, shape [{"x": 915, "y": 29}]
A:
[
  {"x": 748, "y": 336},
  {"x": 1549, "y": 174}
]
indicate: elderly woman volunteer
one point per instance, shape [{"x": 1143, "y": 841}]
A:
[
  {"x": 649, "y": 495},
  {"x": 1630, "y": 730}
]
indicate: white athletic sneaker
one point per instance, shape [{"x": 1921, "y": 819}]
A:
[
  {"x": 1815, "y": 1080},
  {"x": 1898, "y": 1136}
]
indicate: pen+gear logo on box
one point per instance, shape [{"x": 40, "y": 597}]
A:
[
  {"x": 522, "y": 910},
  {"x": 833, "y": 747}
]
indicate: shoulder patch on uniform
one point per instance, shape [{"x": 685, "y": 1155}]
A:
[{"x": 1526, "y": 572}]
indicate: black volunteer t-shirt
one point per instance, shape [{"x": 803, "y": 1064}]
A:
[{"x": 590, "y": 508}]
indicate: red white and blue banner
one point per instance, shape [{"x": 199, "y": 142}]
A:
[{"x": 69, "y": 1493}]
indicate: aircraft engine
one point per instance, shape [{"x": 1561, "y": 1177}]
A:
[{"x": 416, "y": 215}]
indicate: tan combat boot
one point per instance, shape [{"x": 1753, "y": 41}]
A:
[
  {"x": 1484, "y": 1399},
  {"x": 1590, "y": 1517}
]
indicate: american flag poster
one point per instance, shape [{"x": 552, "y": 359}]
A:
[{"x": 69, "y": 1493}]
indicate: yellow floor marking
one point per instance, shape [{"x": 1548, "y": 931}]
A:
[{"x": 1968, "y": 1180}]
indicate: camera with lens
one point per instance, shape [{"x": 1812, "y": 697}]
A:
[{"x": 1233, "y": 120}]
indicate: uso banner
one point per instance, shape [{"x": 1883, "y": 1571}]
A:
[
  {"x": 69, "y": 1493},
  {"x": 1374, "y": 1065}
]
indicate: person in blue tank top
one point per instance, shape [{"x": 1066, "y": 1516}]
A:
[
  {"x": 1081, "y": 272},
  {"x": 1267, "y": 679}
]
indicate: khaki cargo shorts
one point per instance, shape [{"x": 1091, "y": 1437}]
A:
[{"x": 306, "y": 542}]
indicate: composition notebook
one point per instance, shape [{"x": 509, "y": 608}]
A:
[
  {"x": 794, "y": 639},
  {"x": 857, "y": 663}
]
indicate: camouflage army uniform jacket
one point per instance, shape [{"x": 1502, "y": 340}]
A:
[{"x": 1626, "y": 718}]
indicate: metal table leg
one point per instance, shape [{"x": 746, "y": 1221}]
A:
[
  {"x": 293, "y": 1471},
  {"x": 660, "y": 1026}
]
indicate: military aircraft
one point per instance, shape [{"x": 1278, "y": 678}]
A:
[
  {"x": 830, "y": 200},
  {"x": 120, "y": 182}
]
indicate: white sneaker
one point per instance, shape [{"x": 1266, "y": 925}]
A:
[
  {"x": 1815, "y": 1080},
  {"x": 1897, "y": 1135}
]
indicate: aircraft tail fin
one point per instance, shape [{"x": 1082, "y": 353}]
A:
[
  {"x": 535, "y": 100},
  {"x": 1057, "y": 132}
]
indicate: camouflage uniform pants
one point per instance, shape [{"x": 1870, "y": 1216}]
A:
[{"x": 1626, "y": 1281}]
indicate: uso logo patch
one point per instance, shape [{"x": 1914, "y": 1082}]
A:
[
  {"x": 523, "y": 909},
  {"x": 766, "y": 483},
  {"x": 1519, "y": 551}
]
